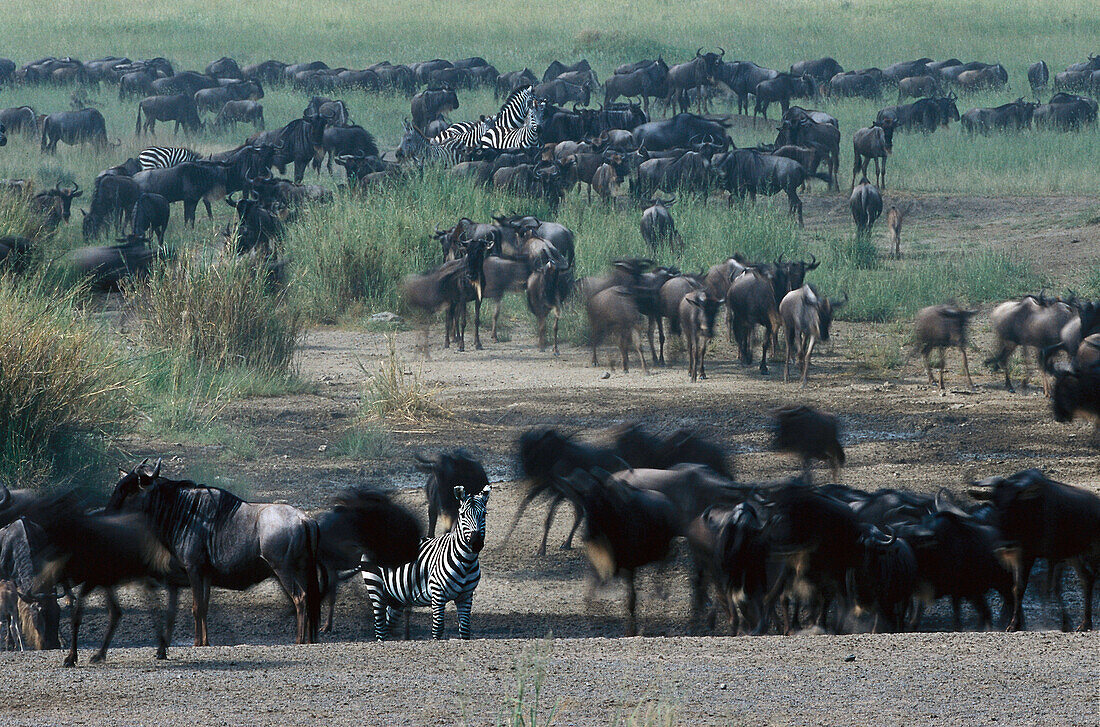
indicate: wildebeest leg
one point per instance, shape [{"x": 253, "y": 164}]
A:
[
  {"x": 568, "y": 544},
  {"x": 985, "y": 615},
  {"x": 764, "y": 348},
  {"x": 966, "y": 367},
  {"x": 698, "y": 597},
  {"x": 477, "y": 323},
  {"x": 1020, "y": 575},
  {"x": 464, "y": 604},
  {"x": 549, "y": 520},
  {"x": 433, "y": 515},
  {"x": 956, "y": 613},
  {"x": 76, "y": 614},
  {"x": 189, "y": 211},
  {"x": 624, "y": 349},
  {"x": 1088, "y": 582},
  {"x": 333, "y": 579},
  {"x": 448, "y": 325},
  {"x": 653, "y": 323},
  {"x": 113, "y": 614},
  {"x": 557, "y": 320},
  {"x": 637, "y": 341},
  {"x": 631, "y": 604},
  {"x": 200, "y": 603},
  {"x": 701, "y": 358},
  {"x": 806, "y": 360},
  {"x": 209, "y": 212},
  {"x": 855, "y": 169},
  {"x": 299, "y": 170},
  {"x": 771, "y": 599},
  {"x": 795, "y": 204},
  {"x": 496, "y": 315},
  {"x": 1055, "y": 572},
  {"x": 523, "y": 505}
]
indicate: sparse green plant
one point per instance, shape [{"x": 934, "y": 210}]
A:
[
  {"x": 527, "y": 708},
  {"x": 362, "y": 441},
  {"x": 649, "y": 713}
]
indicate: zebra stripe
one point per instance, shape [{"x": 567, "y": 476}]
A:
[
  {"x": 446, "y": 569},
  {"x": 464, "y": 133},
  {"x": 515, "y": 108},
  {"x": 162, "y": 157},
  {"x": 525, "y": 137}
]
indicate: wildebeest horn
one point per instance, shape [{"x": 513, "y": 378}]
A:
[
  {"x": 722, "y": 52},
  {"x": 813, "y": 263},
  {"x": 699, "y": 52},
  {"x": 156, "y": 469},
  {"x": 230, "y": 201}
]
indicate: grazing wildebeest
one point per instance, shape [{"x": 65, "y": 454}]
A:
[
  {"x": 658, "y": 226},
  {"x": 446, "y": 471},
  {"x": 942, "y": 327},
  {"x": 345, "y": 141},
  {"x": 1038, "y": 76},
  {"x": 1041, "y": 518},
  {"x": 23, "y": 119},
  {"x": 363, "y": 523},
  {"x": 24, "y": 549},
  {"x": 865, "y": 83},
  {"x": 151, "y": 212},
  {"x": 866, "y": 206},
  {"x": 180, "y": 109},
  {"x": 807, "y": 317},
  {"x": 557, "y": 68},
  {"x": 875, "y": 142},
  {"x": 113, "y": 199},
  {"x": 221, "y": 540},
  {"x": 1015, "y": 116},
  {"x": 212, "y": 99},
  {"x": 648, "y": 81},
  {"x": 680, "y": 131},
  {"x": 1066, "y": 112},
  {"x": 918, "y": 86},
  {"x": 924, "y": 115},
  {"x": 74, "y": 127},
  {"x": 978, "y": 79},
  {"x": 234, "y": 112},
  {"x": 810, "y": 434},
  {"x": 269, "y": 72}
]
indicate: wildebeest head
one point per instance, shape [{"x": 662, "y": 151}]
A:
[
  {"x": 471, "y": 517},
  {"x": 132, "y": 483},
  {"x": 57, "y": 202},
  {"x": 825, "y": 309},
  {"x": 1004, "y": 492},
  {"x": 947, "y": 108}
]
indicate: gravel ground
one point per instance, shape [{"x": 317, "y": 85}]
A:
[{"x": 913, "y": 679}]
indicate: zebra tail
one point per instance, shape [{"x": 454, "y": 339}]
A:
[{"x": 313, "y": 589}]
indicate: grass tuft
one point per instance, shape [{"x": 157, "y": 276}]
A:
[{"x": 395, "y": 393}]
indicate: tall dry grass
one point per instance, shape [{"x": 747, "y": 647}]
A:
[{"x": 62, "y": 380}]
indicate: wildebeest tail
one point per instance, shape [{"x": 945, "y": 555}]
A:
[
  {"x": 313, "y": 589},
  {"x": 823, "y": 176}
]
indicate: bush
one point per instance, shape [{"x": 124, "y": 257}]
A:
[
  {"x": 221, "y": 316},
  {"x": 62, "y": 382}
]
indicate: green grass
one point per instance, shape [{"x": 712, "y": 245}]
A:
[{"x": 362, "y": 441}]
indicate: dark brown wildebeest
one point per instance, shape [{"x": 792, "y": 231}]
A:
[
  {"x": 809, "y": 434},
  {"x": 866, "y": 206},
  {"x": 942, "y": 327},
  {"x": 548, "y": 286},
  {"x": 658, "y": 226},
  {"x": 874, "y": 142},
  {"x": 697, "y": 313},
  {"x": 752, "y": 301},
  {"x": 1041, "y": 518},
  {"x": 180, "y": 109},
  {"x": 614, "y": 312}
]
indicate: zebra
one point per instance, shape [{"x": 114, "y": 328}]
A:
[
  {"x": 162, "y": 157},
  {"x": 525, "y": 137},
  {"x": 515, "y": 108},
  {"x": 446, "y": 569},
  {"x": 466, "y": 133},
  {"x": 417, "y": 147}
]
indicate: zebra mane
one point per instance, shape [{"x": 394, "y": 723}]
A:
[{"x": 181, "y": 509}]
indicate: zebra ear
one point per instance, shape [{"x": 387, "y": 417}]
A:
[
  {"x": 485, "y": 493},
  {"x": 460, "y": 493}
]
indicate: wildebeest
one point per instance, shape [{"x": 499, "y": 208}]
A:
[
  {"x": 894, "y": 218},
  {"x": 1033, "y": 321},
  {"x": 614, "y": 312},
  {"x": 113, "y": 199},
  {"x": 626, "y": 528},
  {"x": 151, "y": 213},
  {"x": 1066, "y": 112},
  {"x": 24, "y": 549},
  {"x": 269, "y": 72},
  {"x": 557, "y": 68},
  {"x": 507, "y": 83},
  {"x": 548, "y": 286},
  {"x": 53, "y": 206},
  {"x": 1041, "y": 518},
  {"x": 432, "y": 103},
  {"x": 918, "y": 86},
  {"x": 680, "y": 131},
  {"x": 977, "y": 79},
  {"x": 1076, "y": 388},
  {"x": 21, "y": 119},
  {"x": 693, "y": 75},
  {"x": 942, "y": 327},
  {"x": 446, "y": 471},
  {"x": 234, "y": 112},
  {"x": 781, "y": 89},
  {"x": 752, "y": 301},
  {"x": 856, "y": 84},
  {"x": 658, "y": 226},
  {"x": 445, "y": 285},
  {"x": 697, "y": 312},
  {"x": 212, "y": 99},
  {"x": 742, "y": 77},
  {"x": 1013, "y": 116},
  {"x": 345, "y": 141},
  {"x": 885, "y": 580},
  {"x": 180, "y": 109},
  {"x": 874, "y": 142},
  {"x": 188, "y": 182},
  {"x": 687, "y": 172},
  {"x": 74, "y": 127},
  {"x": 223, "y": 541},
  {"x": 301, "y": 141},
  {"x": 746, "y": 171},
  {"x": 1038, "y": 76},
  {"x": 224, "y": 67},
  {"x": 106, "y": 266},
  {"x": 363, "y": 523},
  {"x": 866, "y": 206},
  {"x": 647, "y": 81},
  {"x": 809, "y": 434},
  {"x": 924, "y": 115},
  {"x": 807, "y": 317}
]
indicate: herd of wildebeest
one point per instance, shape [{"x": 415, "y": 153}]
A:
[{"x": 765, "y": 556}]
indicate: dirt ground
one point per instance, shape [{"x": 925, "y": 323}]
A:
[{"x": 899, "y": 432}]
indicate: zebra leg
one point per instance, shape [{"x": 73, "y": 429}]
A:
[
  {"x": 439, "y": 606},
  {"x": 464, "y": 604},
  {"x": 381, "y": 616}
]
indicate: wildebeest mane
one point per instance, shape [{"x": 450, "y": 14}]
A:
[{"x": 179, "y": 508}]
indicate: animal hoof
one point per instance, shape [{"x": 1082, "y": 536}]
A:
[
  {"x": 69, "y": 662},
  {"x": 162, "y": 655},
  {"x": 478, "y": 346},
  {"x": 564, "y": 546},
  {"x": 97, "y": 658}
]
